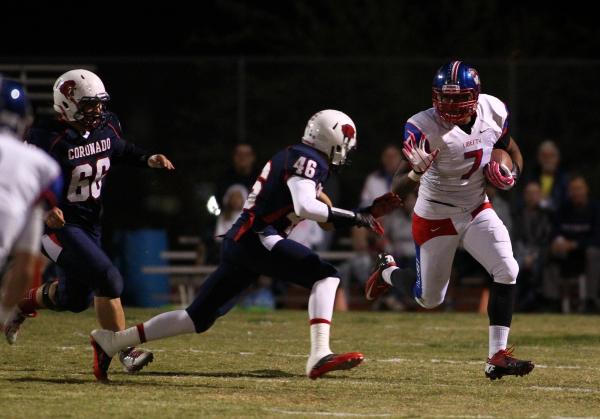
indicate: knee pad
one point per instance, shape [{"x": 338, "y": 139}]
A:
[
  {"x": 50, "y": 305},
  {"x": 110, "y": 284},
  {"x": 427, "y": 304},
  {"x": 507, "y": 272}
]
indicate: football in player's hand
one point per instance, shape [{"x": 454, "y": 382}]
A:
[
  {"x": 326, "y": 200},
  {"x": 503, "y": 159}
]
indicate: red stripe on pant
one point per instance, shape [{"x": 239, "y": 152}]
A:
[{"x": 317, "y": 321}]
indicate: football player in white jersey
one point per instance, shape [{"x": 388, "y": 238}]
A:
[
  {"x": 26, "y": 179},
  {"x": 449, "y": 148}
]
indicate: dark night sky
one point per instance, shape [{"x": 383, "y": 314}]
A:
[{"x": 470, "y": 28}]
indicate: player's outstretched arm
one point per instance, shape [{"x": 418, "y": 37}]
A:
[
  {"x": 402, "y": 184},
  {"x": 160, "y": 161},
  {"x": 306, "y": 205}
]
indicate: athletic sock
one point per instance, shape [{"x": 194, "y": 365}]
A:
[
  {"x": 164, "y": 325},
  {"x": 498, "y": 339},
  {"x": 320, "y": 312},
  {"x": 386, "y": 274}
]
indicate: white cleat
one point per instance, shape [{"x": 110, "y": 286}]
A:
[
  {"x": 134, "y": 359},
  {"x": 106, "y": 340},
  {"x": 12, "y": 326}
]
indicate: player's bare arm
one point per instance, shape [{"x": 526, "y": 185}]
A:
[{"x": 515, "y": 154}]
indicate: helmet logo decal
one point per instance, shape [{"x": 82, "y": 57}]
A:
[
  {"x": 475, "y": 75},
  {"x": 67, "y": 88},
  {"x": 348, "y": 131}
]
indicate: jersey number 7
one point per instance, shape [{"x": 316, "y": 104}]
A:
[{"x": 474, "y": 154}]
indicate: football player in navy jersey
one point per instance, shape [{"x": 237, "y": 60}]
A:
[
  {"x": 286, "y": 191},
  {"x": 85, "y": 140}
]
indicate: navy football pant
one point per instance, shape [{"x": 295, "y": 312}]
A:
[
  {"x": 85, "y": 270},
  {"x": 241, "y": 264}
]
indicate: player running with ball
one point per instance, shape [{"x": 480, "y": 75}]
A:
[
  {"x": 449, "y": 147},
  {"x": 286, "y": 192}
]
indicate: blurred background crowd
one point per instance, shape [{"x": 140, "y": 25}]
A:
[{"x": 221, "y": 91}]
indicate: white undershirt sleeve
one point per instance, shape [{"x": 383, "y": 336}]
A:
[{"x": 304, "y": 196}]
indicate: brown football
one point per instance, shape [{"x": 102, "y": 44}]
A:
[{"x": 502, "y": 157}]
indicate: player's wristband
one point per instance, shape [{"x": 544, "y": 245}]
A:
[
  {"x": 414, "y": 176},
  {"x": 341, "y": 217}
]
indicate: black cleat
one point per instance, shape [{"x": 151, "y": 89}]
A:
[{"x": 502, "y": 363}]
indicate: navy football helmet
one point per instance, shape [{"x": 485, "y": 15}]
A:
[
  {"x": 15, "y": 110},
  {"x": 456, "y": 87}
]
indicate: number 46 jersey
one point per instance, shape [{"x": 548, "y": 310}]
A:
[
  {"x": 269, "y": 208},
  {"x": 455, "y": 181},
  {"x": 84, "y": 160}
]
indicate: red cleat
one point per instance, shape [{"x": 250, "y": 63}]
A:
[
  {"x": 101, "y": 361},
  {"x": 334, "y": 362},
  {"x": 376, "y": 286}
]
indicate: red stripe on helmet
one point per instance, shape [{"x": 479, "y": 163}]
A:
[{"x": 455, "y": 66}]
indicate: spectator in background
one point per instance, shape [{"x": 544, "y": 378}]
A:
[
  {"x": 548, "y": 174},
  {"x": 379, "y": 182},
  {"x": 243, "y": 171},
  {"x": 233, "y": 203},
  {"x": 575, "y": 244},
  {"x": 533, "y": 227}
]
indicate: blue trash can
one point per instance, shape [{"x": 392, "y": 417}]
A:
[{"x": 136, "y": 249}]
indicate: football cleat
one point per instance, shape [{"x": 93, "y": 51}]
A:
[
  {"x": 101, "y": 361},
  {"x": 106, "y": 340},
  {"x": 335, "y": 362},
  {"x": 12, "y": 326},
  {"x": 134, "y": 359},
  {"x": 375, "y": 285},
  {"x": 503, "y": 363}
]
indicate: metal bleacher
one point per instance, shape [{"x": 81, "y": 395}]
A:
[{"x": 38, "y": 80}]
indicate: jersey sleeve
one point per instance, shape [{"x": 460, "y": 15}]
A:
[
  {"x": 124, "y": 151},
  {"x": 413, "y": 131},
  {"x": 305, "y": 165}
]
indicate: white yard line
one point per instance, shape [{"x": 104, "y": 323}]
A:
[
  {"x": 336, "y": 414},
  {"x": 568, "y": 389}
]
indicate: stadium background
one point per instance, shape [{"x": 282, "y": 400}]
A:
[{"x": 192, "y": 87}]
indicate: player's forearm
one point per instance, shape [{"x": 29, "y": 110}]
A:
[
  {"x": 514, "y": 152},
  {"x": 306, "y": 205},
  {"x": 403, "y": 184}
]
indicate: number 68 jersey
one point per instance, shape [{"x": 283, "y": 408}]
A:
[
  {"x": 84, "y": 160},
  {"x": 455, "y": 181}
]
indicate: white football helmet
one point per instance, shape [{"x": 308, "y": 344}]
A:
[
  {"x": 333, "y": 133},
  {"x": 73, "y": 89}
]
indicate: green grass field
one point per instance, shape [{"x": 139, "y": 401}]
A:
[{"x": 252, "y": 365}]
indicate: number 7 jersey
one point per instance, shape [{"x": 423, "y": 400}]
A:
[
  {"x": 455, "y": 181},
  {"x": 85, "y": 160}
]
